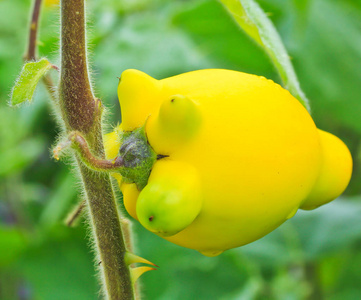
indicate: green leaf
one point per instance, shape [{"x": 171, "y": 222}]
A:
[
  {"x": 29, "y": 77},
  {"x": 253, "y": 20},
  {"x": 310, "y": 235},
  {"x": 329, "y": 228},
  {"x": 219, "y": 41}
]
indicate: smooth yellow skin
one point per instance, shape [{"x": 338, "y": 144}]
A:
[
  {"x": 335, "y": 172},
  {"x": 256, "y": 149}
]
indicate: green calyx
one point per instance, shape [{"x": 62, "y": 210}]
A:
[
  {"x": 134, "y": 161},
  {"x": 138, "y": 157}
]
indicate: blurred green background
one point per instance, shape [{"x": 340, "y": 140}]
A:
[{"x": 316, "y": 255}]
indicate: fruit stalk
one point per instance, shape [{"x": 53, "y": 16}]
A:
[
  {"x": 78, "y": 143},
  {"x": 81, "y": 112}
]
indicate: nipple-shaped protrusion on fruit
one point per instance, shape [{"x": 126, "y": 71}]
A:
[
  {"x": 180, "y": 115},
  {"x": 335, "y": 172},
  {"x": 172, "y": 198},
  {"x": 138, "y": 97},
  {"x": 178, "y": 121}
]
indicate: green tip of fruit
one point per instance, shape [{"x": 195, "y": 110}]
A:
[
  {"x": 180, "y": 115},
  {"x": 167, "y": 204}
]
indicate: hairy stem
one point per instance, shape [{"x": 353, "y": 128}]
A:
[
  {"x": 78, "y": 142},
  {"x": 33, "y": 34},
  {"x": 82, "y": 112},
  {"x": 75, "y": 214}
]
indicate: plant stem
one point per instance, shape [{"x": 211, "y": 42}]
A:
[
  {"x": 31, "y": 50},
  {"x": 78, "y": 142},
  {"x": 33, "y": 30},
  {"x": 82, "y": 112},
  {"x": 75, "y": 214}
]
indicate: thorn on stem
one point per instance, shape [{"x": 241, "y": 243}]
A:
[
  {"x": 131, "y": 258},
  {"x": 135, "y": 273},
  {"x": 75, "y": 214}
]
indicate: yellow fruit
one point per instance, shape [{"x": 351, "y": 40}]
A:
[
  {"x": 335, "y": 172},
  {"x": 239, "y": 147}
]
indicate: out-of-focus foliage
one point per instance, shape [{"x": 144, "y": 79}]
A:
[{"x": 315, "y": 255}]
